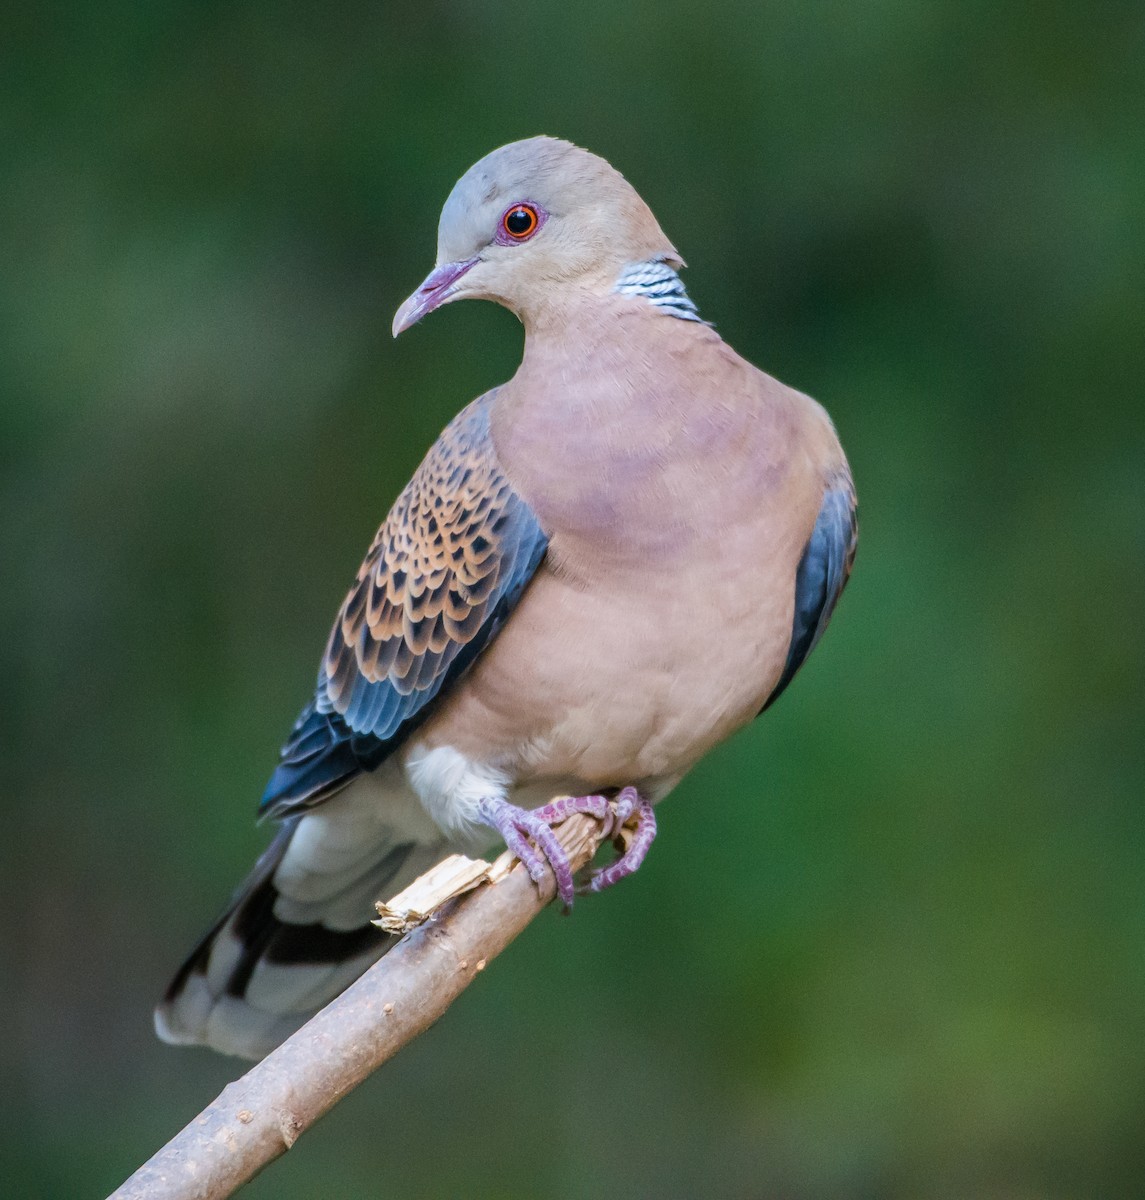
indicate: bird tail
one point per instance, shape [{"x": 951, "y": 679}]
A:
[{"x": 297, "y": 932}]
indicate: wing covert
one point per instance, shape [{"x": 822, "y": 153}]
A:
[
  {"x": 822, "y": 574},
  {"x": 443, "y": 573}
]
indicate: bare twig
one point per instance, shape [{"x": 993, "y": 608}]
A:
[{"x": 262, "y": 1114}]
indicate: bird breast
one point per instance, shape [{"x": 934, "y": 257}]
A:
[{"x": 661, "y": 618}]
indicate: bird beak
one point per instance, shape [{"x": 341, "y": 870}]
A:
[{"x": 438, "y": 288}]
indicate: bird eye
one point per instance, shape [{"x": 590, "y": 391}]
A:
[{"x": 520, "y": 221}]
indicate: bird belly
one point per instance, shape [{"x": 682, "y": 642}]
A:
[{"x": 591, "y": 687}]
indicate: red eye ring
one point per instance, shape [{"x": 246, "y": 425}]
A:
[{"x": 520, "y": 222}]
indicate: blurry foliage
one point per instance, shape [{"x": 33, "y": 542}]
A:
[{"x": 891, "y": 941}]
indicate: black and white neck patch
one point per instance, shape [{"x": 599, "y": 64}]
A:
[{"x": 659, "y": 284}]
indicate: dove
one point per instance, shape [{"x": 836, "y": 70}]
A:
[{"x": 601, "y": 569}]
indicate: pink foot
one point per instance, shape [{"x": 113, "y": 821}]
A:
[
  {"x": 628, "y": 803},
  {"x": 516, "y": 826}
]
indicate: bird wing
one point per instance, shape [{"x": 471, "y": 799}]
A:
[
  {"x": 822, "y": 574},
  {"x": 445, "y": 570}
]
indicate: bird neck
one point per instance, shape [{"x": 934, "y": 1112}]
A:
[
  {"x": 617, "y": 359},
  {"x": 653, "y": 283}
]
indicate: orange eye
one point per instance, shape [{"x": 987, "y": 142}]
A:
[{"x": 520, "y": 221}]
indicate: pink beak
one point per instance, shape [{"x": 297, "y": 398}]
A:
[{"x": 437, "y": 289}]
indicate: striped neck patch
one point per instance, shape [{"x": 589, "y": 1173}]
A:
[{"x": 657, "y": 283}]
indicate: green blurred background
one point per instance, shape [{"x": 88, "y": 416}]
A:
[{"x": 891, "y": 940}]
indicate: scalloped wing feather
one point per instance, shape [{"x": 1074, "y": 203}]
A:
[{"x": 445, "y": 570}]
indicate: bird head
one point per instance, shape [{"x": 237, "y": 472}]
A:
[{"x": 531, "y": 225}]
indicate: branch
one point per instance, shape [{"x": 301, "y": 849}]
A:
[{"x": 258, "y": 1117}]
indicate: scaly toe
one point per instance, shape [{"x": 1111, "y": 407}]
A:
[
  {"x": 642, "y": 838},
  {"x": 516, "y": 826},
  {"x": 627, "y": 802},
  {"x": 560, "y": 810}
]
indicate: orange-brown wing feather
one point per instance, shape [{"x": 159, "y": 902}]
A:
[{"x": 446, "y": 568}]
